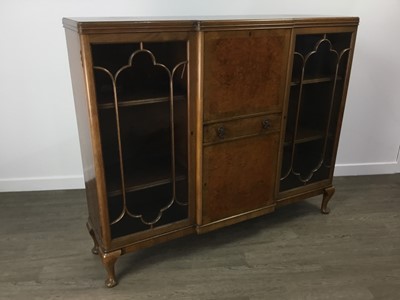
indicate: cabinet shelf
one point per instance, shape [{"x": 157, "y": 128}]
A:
[
  {"x": 296, "y": 81},
  {"x": 304, "y": 135},
  {"x": 141, "y": 176},
  {"x": 143, "y": 101}
]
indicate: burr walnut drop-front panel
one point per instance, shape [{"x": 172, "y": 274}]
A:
[{"x": 244, "y": 72}]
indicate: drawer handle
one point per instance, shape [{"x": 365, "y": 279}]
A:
[
  {"x": 266, "y": 124},
  {"x": 221, "y": 132}
]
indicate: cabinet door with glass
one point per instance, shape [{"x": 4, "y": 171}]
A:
[
  {"x": 139, "y": 108},
  {"x": 141, "y": 92},
  {"x": 321, "y": 62}
]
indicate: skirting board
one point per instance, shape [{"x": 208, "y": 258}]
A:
[
  {"x": 42, "y": 183},
  {"x": 367, "y": 169},
  {"x": 76, "y": 182}
]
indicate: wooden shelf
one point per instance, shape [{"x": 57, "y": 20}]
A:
[
  {"x": 141, "y": 175},
  {"x": 135, "y": 102},
  {"x": 296, "y": 81},
  {"x": 305, "y": 135}
]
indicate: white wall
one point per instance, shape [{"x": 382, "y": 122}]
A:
[{"x": 39, "y": 146}]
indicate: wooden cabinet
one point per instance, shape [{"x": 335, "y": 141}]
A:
[{"x": 190, "y": 125}]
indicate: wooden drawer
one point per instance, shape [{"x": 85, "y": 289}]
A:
[{"x": 240, "y": 128}]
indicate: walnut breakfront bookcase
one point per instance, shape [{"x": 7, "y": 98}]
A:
[{"x": 187, "y": 126}]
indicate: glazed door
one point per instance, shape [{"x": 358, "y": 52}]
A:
[
  {"x": 320, "y": 72},
  {"x": 141, "y": 87}
]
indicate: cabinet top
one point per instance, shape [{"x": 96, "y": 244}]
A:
[{"x": 203, "y": 23}]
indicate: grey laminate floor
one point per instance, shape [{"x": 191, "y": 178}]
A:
[{"x": 294, "y": 253}]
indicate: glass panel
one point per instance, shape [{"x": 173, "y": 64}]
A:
[
  {"x": 316, "y": 92},
  {"x": 141, "y": 91}
]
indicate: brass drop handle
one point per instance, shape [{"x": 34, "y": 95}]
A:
[
  {"x": 221, "y": 132},
  {"x": 266, "y": 124}
]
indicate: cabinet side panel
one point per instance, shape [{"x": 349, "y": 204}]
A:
[
  {"x": 85, "y": 135},
  {"x": 343, "y": 103}
]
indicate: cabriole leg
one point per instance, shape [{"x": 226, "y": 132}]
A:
[
  {"x": 95, "y": 249},
  {"x": 328, "y": 193},
  {"x": 109, "y": 260}
]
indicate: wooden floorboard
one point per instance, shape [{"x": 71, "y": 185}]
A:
[{"x": 294, "y": 253}]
